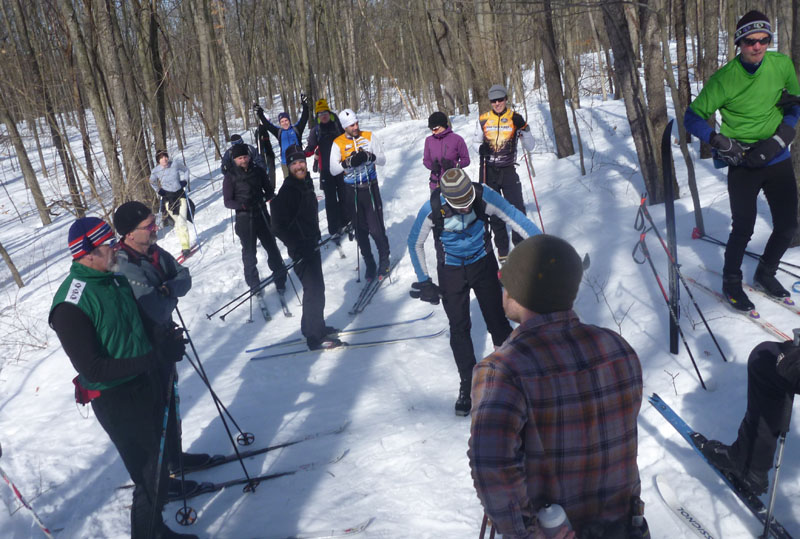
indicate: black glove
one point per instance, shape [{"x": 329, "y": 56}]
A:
[
  {"x": 436, "y": 168},
  {"x": 728, "y": 149},
  {"x": 164, "y": 290},
  {"x": 518, "y": 121},
  {"x": 162, "y": 193},
  {"x": 257, "y": 108},
  {"x": 315, "y": 167},
  {"x": 303, "y": 99},
  {"x": 484, "y": 150},
  {"x": 359, "y": 158},
  {"x": 183, "y": 183},
  {"x": 425, "y": 291},
  {"x": 765, "y": 150},
  {"x": 173, "y": 345},
  {"x": 447, "y": 165}
]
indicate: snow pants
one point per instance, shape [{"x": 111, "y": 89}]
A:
[
  {"x": 505, "y": 181},
  {"x": 132, "y": 415},
  {"x": 309, "y": 271},
  {"x": 767, "y": 392},
  {"x": 177, "y": 210},
  {"x": 455, "y": 283},
  {"x": 333, "y": 187},
  {"x": 778, "y": 183},
  {"x": 365, "y": 208},
  {"x": 251, "y": 226}
]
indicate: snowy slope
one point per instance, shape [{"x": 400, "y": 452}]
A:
[{"x": 406, "y": 463}]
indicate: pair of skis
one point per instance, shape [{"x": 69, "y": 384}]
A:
[
  {"x": 370, "y": 289},
  {"x": 362, "y": 344},
  {"x": 262, "y": 305},
  {"x": 696, "y": 441}
]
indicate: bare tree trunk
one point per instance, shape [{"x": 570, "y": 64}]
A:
[
  {"x": 38, "y": 83},
  {"x": 24, "y": 162},
  {"x": 555, "y": 95},
  {"x": 233, "y": 85},
  {"x": 11, "y": 266},
  {"x": 635, "y": 105},
  {"x": 653, "y": 65},
  {"x": 683, "y": 63},
  {"x": 598, "y": 48},
  {"x": 99, "y": 110},
  {"x": 710, "y": 54}
]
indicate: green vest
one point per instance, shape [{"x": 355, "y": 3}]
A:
[
  {"x": 747, "y": 101},
  {"x": 108, "y": 301}
]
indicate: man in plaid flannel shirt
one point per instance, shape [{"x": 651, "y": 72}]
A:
[{"x": 555, "y": 407}]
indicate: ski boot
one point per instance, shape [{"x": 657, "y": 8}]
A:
[
  {"x": 764, "y": 278},
  {"x": 721, "y": 457},
  {"x": 732, "y": 288}
]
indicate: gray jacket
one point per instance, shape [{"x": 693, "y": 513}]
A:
[
  {"x": 147, "y": 275},
  {"x": 169, "y": 178}
]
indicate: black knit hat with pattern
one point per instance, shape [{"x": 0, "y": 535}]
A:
[
  {"x": 751, "y": 23},
  {"x": 543, "y": 274}
]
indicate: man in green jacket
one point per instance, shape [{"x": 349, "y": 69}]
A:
[
  {"x": 97, "y": 321},
  {"x": 753, "y": 142}
]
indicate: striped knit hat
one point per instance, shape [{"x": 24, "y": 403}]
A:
[
  {"x": 752, "y": 22},
  {"x": 88, "y": 233},
  {"x": 457, "y": 189}
]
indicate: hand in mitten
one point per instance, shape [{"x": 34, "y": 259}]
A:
[
  {"x": 361, "y": 157},
  {"x": 304, "y": 99},
  {"x": 484, "y": 150},
  {"x": 183, "y": 183},
  {"x": 447, "y": 165},
  {"x": 257, "y": 108},
  {"x": 425, "y": 291},
  {"x": 765, "y": 150},
  {"x": 173, "y": 346},
  {"x": 518, "y": 121},
  {"x": 728, "y": 149},
  {"x": 162, "y": 193}
]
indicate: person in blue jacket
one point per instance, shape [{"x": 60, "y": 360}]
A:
[
  {"x": 458, "y": 215},
  {"x": 286, "y": 133}
]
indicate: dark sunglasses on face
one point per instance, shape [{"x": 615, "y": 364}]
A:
[
  {"x": 750, "y": 41},
  {"x": 497, "y": 100}
]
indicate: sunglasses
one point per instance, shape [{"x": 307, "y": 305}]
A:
[
  {"x": 152, "y": 226},
  {"x": 497, "y": 100},
  {"x": 751, "y": 42},
  {"x": 436, "y": 128}
]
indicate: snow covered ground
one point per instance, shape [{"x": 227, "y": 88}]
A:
[{"x": 405, "y": 464}]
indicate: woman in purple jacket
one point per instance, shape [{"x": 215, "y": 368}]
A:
[{"x": 443, "y": 149}]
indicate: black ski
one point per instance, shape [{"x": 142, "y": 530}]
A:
[
  {"x": 697, "y": 440},
  {"x": 351, "y": 331},
  {"x": 219, "y": 460},
  {"x": 286, "y": 312},
  {"x": 669, "y": 212},
  {"x": 348, "y": 346},
  {"x": 370, "y": 289},
  {"x": 207, "y": 487}
]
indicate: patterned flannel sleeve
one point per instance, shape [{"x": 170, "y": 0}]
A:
[{"x": 495, "y": 453}]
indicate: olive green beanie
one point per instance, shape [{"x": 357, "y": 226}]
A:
[{"x": 543, "y": 274}]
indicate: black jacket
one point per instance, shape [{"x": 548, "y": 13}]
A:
[
  {"x": 295, "y": 219},
  {"x": 246, "y": 189},
  {"x": 320, "y": 140}
]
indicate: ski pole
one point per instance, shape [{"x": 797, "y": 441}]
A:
[
  {"x": 269, "y": 229},
  {"x": 186, "y": 516},
  {"x": 483, "y": 526},
  {"x": 244, "y": 438},
  {"x": 529, "y": 166},
  {"x": 25, "y": 504},
  {"x": 160, "y": 462},
  {"x": 358, "y": 257},
  {"x": 643, "y": 246},
  {"x": 639, "y": 225},
  {"x": 787, "y": 418}
]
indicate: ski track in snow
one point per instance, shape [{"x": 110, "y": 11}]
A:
[{"x": 407, "y": 466}]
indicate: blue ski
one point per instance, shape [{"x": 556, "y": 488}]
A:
[{"x": 696, "y": 440}]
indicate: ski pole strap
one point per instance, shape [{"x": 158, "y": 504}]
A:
[{"x": 640, "y": 245}]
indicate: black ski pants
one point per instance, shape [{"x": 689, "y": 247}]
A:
[
  {"x": 767, "y": 392},
  {"x": 333, "y": 187},
  {"x": 132, "y": 415},
  {"x": 309, "y": 271},
  {"x": 505, "y": 181},
  {"x": 254, "y": 225},
  {"x": 366, "y": 213},
  {"x": 455, "y": 283},
  {"x": 778, "y": 183}
]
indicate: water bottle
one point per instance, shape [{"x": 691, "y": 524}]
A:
[{"x": 552, "y": 519}]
